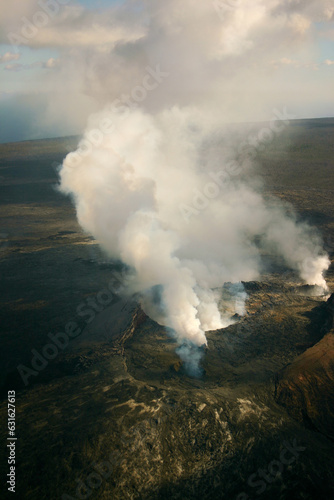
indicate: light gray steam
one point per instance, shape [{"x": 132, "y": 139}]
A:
[
  {"x": 163, "y": 193},
  {"x": 131, "y": 194}
]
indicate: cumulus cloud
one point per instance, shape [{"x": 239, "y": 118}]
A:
[
  {"x": 234, "y": 51},
  {"x": 9, "y": 56}
]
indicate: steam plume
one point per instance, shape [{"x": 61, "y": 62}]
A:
[
  {"x": 163, "y": 192},
  {"x": 141, "y": 194}
]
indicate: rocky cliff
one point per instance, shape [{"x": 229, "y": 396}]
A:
[{"x": 306, "y": 386}]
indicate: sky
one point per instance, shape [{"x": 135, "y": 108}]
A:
[{"x": 62, "y": 60}]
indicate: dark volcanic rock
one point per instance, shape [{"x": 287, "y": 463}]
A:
[
  {"x": 330, "y": 307},
  {"x": 306, "y": 386},
  {"x": 115, "y": 414}
]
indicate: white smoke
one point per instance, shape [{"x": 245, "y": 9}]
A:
[
  {"x": 131, "y": 193},
  {"x": 162, "y": 191}
]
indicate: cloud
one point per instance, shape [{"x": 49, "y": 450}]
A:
[
  {"x": 299, "y": 23},
  {"x": 71, "y": 26},
  {"x": 328, "y": 62},
  {"x": 235, "y": 30},
  {"x": 11, "y": 12},
  {"x": 9, "y": 56},
  {"x": 287, "y": 61},
  {"x": 294, "y": 63},
  {"x": 241, "y": 51},
  {"x": 107, "y": 52},
  {"x": 14, "y": 67},
  {"x": 49, "y": 64}
]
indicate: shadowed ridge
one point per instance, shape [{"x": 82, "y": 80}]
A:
[{"x": 306, "y": 386}]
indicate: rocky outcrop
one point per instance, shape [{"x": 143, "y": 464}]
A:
[{"x": 306, "y": 386}]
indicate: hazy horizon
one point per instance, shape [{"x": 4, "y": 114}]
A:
[{"x": 79, "y": 134}]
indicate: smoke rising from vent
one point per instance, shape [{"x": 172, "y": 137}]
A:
[
  {"x": 165, "y": 191},
  {"x": 131, "y": 193}
]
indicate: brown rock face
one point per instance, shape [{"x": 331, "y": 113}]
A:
[{"x": 306, "y": 386}]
